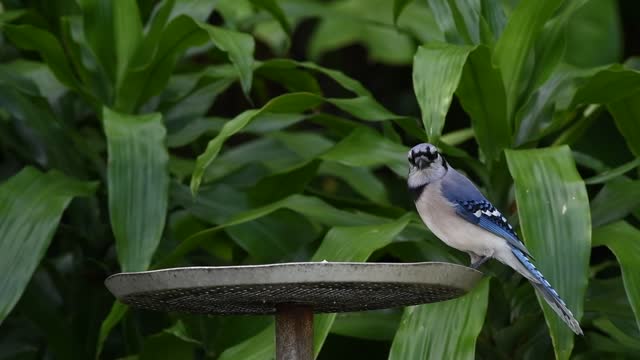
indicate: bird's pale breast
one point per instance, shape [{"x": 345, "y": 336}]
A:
[{"x": 440, "y": 217}]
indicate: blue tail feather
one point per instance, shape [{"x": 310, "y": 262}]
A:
[{"x": 548, "y": 293}]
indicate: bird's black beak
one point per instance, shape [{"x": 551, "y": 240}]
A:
[{"x": 422, "y": 162}]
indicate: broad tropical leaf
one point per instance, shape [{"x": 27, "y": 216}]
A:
[
  {"x": 311, "y": 207},
  {"x": 624, "y": 240},
  {"x": 127, "y": 33},
  {"x": 459, "y": 21},
  {"x": 514, "y": 46},
  {"x": 138, "y": 185},
  {"x": 292, "y": 103},
  {"x": 607, "y": 85},
  {"x": 615, "y": 201},
  {"x": 31, "y": 38},
  {"x": 437, "y": 69},
  {"x": 446, "y": 329},
  {"x": 613, "y": 173},
  {"x": 553, "y": 209},
  {"x": 483, "y": 97},
  {"x": 31, "y": 205},
  {"x": 626, "y": 113}
]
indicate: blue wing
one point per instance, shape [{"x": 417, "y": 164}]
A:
[
  {"x": 485, "y": 215},
  {"x": 472, "y": 206}
]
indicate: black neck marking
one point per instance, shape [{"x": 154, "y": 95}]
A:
[{"x": 416, "y": 191}]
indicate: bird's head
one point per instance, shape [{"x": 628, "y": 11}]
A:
[{"x": 425, "y": 165}]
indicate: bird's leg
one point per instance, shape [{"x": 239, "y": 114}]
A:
[
  {"x": 473, "y": 258},
  {"x": 477, "y": 261}
]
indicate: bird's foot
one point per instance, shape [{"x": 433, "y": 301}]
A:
[{"x": 476, "y": 264}]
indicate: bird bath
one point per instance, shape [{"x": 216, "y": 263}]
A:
[{"x": 293, "y": 292}]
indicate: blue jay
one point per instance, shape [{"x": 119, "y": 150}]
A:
[{"x": 457, "y": 213}]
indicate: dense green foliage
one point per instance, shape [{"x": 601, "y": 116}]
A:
[{"x": 150, "y": 134}]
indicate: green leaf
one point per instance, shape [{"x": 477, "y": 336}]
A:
[
  {"x": 444, "y": 17},
  {"x": 618, "y": 334},
  {"x": 597, "y": 23},
  {"x": 311, "y": 207},
  {"x": 31, "y": 38},
  {"x": 289, "y": 76},
  {"x": 547, "y": 107},
  {"x": 457, "y": 137},
  {"x": 138, "y": 184},
  {"x": 345, "y": 81},
  {"x": 7, "y": 16},
  {"x": 361, "y": 180},
  {"x": 117, "y": 312},
  {"x": 156, "y": 23},
  {"x": 615, "y": 201},
  {"x": 239, "y": 47},
  {"x": 94, "y": 77},
  {"x": 608, "y": 298},
  {"x": 276, "y": 11},
  {"x": 482, "y": 96},
  {"x": 607, "y": 85},
  {"x": 99, "y": 33},
  {"x": 364, "y": 108},
  {"x": 185, "y": 114},
  {"x": 127, "y": 28},
  {"x": 294, "y": 102},
  {"x": 550, "y": 45},
  {"x": 270, "y": 189},
  {"x": 493, "y": 14},
  {"x": 613, "y": 173},
  {"x": 46, "y": 315},
  {"x": 357, "y": 243},
  {"x": 38, "y": 73},
  {"x": 154, "y": 61},
  {"x": 196, "y": 9},
  {"x": 258, "y": 347},
  {"x": 514, "y": 46},
  {"x": 437, "y": 69},
  {"x": 624, "y": 241},
  {"x": 312, "y": 146},
  {"x": 379, "y": 151},
  {"x": 276, "y": 237},
  {"x": 49, "y": 142},
  {"x": 458, "y": 20},
  {"x": 179, "y": 330},
  {"x": 367, "y": 22},
  {"x": 398, "y": 7},
  {"x": 626, "y": 113},
  {"x": 380, "y": 325},
  {"x": 447, "y": 329},
  {"x": 306, "y": 145},
  {"x": 166, "y": 346},
  {"x": 553, "y": 208},
  {"x": 267, "y": 152},
  {"x": 214, "y": 204},
  {"x": 418, "y": 20},
  {"x": 31, "y": 205},
  {"x": 219, "y": 332}
]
